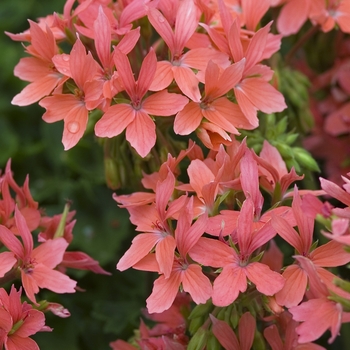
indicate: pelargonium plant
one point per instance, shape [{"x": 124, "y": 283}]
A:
[{"x": 207, "y": 112}]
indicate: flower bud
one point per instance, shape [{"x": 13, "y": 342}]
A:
[
  {"x": 305, "y": 159},
  {"x": 201, "y": 310},
  {"x": 199, "y": 340}
]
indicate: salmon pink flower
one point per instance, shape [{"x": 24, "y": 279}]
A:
[
  {"x": 135, "y": 117},
  {"x": 215, "y": 106},
  {"x": 39, "y": 69},
  {"x": 18, "y": 322},
  {"x": 36, "y": 265},
  {"x": 73, "y": 109},
  {"x": 330, "y": 254},
  {"x": 183, "y": 272},
  {"x": 180, "y": 65},
  {"x": 152, "y": 220},
  {"x": 237, "y": 267},
  {"x": 319, "y": 314}
]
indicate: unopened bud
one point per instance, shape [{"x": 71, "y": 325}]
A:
[
  {"x": 199, "y": 340},
  {"x": 112, "y": 173},
  {"x": 212, "y": 342},
  {"x": 305, "y": 159},
  {"x": 195, "y": 324},
  {"x": 201, "y": 310}
]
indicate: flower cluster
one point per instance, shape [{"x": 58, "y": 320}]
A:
[
  {"x": 42, "y": 266},
  {"x": 213, "y": 217}
]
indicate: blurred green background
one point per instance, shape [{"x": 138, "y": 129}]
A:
[{"x": 109, "y": 308}]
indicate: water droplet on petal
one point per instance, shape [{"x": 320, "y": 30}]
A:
[
  {"x": 161, "y": 19},
  {"x": 65, "y": 57},
  {"x": 73, "y": 127}
]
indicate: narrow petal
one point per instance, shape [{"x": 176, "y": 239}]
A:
[
  {"x": 102, "y": 32},
  {"x": 220, "y": 253},
  {"x": 125, "y": 72},
  {"x": 256, "y": 46},
  {"x": 147, "y": 72},
  {"x": 35, "y": 91},
  {"x": 335, "y": 191},
  {"x": 129, "y": 40},
  {"x": 292, "y": 16},
  {"x": 15, "y": 342},
  {"x": 82, "y": 66},
  {"x": 30, "y": 286},
  {"x": 33, "y": 323},
  {"x": 185, "y": 24},
  {"x": 188, "y": 119},
  {"x": 53, "y": 280},
  {"x": 288, "y": 233},
  {"x": 140, "y": 247},
  {"x": 115, "y": 120},
  {"x": 232, "y": 113},
  {"x": 163, "y": 293},
  {"x": 74, "y": 126},
  {"x": 50, "y": 253},
  {"x": 234, "y": 41},
  {"x": 199, "y": 175},
  {"x": 7, "y": 261},
  {"x": 57, "y": 107},
  {"x": 162, "y": 26},
  {"x": 267, "y": 282},
  {"x": 165, "y": 254},
  {"x": 163, "y": 77},
  {"x": 224, "y": 334},
  {"x": 331, "y": 254},
  {"x": 196, "y": 284},
  {"x": 11, "y": 242},
  {"x": 193, "y": 234},
  {"x": 230, "y": 77},
  {"x": 295, "y": 287},
  {"x": 228, "y": 284},
  {"x": 263, "y": 95},
  {"x": 247, "y": 107},
  {"x": 141, "y": 133},
  {"x": 273, "y": 338},
  {"x": 187, "y": 82},
  {"x": 164, "y": 103},
  {"x": 213, "y": 114},
  {"x": 246, "y": 329}
]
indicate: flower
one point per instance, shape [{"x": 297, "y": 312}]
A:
[
  {"x": 18, "y": 322},
  {"x": 135, "y": 116},
  {"x": 36, "y": 265}
]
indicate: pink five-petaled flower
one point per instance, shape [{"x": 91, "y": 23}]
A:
[
  {"x": 135, "y": 116},
  {"x": 215, "y": 106},
  {"x": 39, "y": 70},
  {"x": 36, "y": 265},
  {"x": 183, "y": 272},
  {"x": 227, "y": 337},
  {"x": 18, "y": 322},
  {"x": 237, "y": 267},
  {"x": 319, "y": 314},
  {"x": 73, "y": 108},
  {"x": 330, "y": 254},
  {"x": 152, "y": 220}
]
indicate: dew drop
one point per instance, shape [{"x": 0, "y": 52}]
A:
[
  {"x": 65, "y": 57},
  {"x": 73, "y": 127},
  {"x": 161, "y": 19}
]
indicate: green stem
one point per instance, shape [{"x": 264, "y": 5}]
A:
[{"x": 311, "y": 32}]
